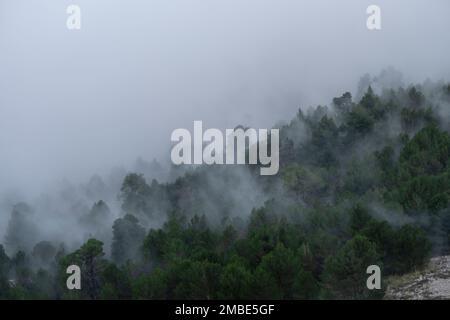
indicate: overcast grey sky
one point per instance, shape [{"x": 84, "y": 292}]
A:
[{"x": 77, "y": 102}]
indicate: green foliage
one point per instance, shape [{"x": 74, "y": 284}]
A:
[
  {"x": 359, "y": 219},
  {"x": 345, "y": 272},
  {"x": 134, "y": 195},
  {"x": 304, "y": 182},
  {"x": 151, "y": 286},
  {"x": 115, "y": 283},
  {"x": 90, "y": 259},
  {"x": 359, "y": 121},
  {"x": 424, "y": 174},
  {"x": 411, "y": 249},
  {"x": 349, "y": 178},
  {"x": 128, "y": 236},
  {"x": 427, "y": 153},
  {"x": 283, "y": 276},
  {"x": 401, "y": 249},
  {"x": 236, "y": 282}
]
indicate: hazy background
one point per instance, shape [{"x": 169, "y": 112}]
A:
[{"x": 74, "y": 103}]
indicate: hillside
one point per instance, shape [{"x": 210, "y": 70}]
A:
[{"x": 362, "y": 182}]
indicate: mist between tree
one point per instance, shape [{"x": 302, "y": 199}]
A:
[{"x": 363, "y": 181}]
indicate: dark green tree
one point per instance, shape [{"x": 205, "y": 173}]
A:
[{"x": 128, "y": 236}]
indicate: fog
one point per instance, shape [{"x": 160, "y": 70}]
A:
[{"x": 75, "y": 103}]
